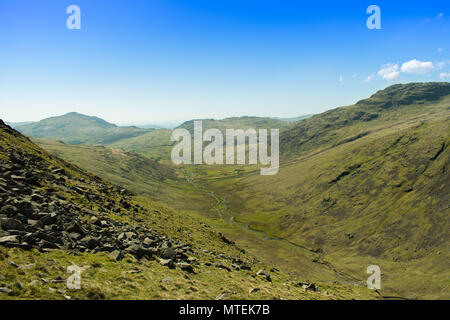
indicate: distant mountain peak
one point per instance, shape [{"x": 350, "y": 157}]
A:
[
  {"x": 86, "y": 117},
  {"x": 77, "y": 128}
]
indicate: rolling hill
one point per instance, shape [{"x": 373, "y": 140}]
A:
[
  {"x": 75, "y": 128},
  {"x": 157, "y": 144},
  {"x": 244, "y": 123}
]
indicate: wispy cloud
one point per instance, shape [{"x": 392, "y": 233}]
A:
[
  {"x": 341, "y": 78},
  {"x": 444, "y": 75},
  {"x": 389, "y": 71},
  {"x": 369, "y": 78},
  {"x": 439, "y": 16},
  {"x": 440, "y": 65}
]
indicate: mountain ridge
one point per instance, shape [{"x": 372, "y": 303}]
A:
[{"x": 76, "y": 128}]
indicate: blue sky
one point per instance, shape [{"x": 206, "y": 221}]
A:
[{"x": 156, "y": 61}]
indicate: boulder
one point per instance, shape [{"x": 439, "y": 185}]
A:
[
  {"x": 166, "y": 263},
  {"x": 47, "y": 218},
  {"x": 186, "y": 267},
  {"x": 25, "y": 207},
  {"x": 8, "y": 210},
  {"x": 116, "y": 255},
  {"x": 90, "y": 242},
  {"x": 167, "y": 253},
  {"x": 9, "y": 239},
  {"x": 264, "y": 274},
  {"x": 11, "y": 224}
]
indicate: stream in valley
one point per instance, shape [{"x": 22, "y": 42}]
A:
[{"x": 314, "y": 261}]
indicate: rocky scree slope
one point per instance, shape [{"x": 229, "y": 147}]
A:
[{"x": 49, "y": 204}]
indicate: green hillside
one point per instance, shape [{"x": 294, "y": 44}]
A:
[
  {"x": 345, "y": 124},
  {"x": 54, "y": 215},
  {"x": 358, "y": 185},
  {"x": 365, "y": 184},
  {"x": 75, "y": 128},
  {"x": 137, "y": 173},
  {"x": 155, "y": 144},
  {"x": 239, "y": 123}
]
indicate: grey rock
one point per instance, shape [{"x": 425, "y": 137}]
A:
[
  {"x": 308, "y": 286},
  {"x": 90, "y": 242},
  {"x": 167, "y": 279},
  {"x": 167, "y": 253},
  {"x": 47, "y": 218},
  {"x": 5, "y": 290},
  {"x": 8, "y": 210},
  {"x": 186, "y": 267},
  {"x": 35, "y": 283},
  {"x": 264, "y": 274},
  {"x": 11, "y": 224},
  {"x": 117, "y": 255},
  {"x": 167, "y": 263},
  {"x": 148, "y": 242},
  {"x": 9, "y": 239},
  {"x": 57, "y": 280},
  {"x": 25, "y": 207}
]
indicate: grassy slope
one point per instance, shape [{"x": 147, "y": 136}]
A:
[
  {"x": 137, "y": 173},
  {"x": 344, "y": 124},
  {"x": 238, "y": 123},
  {"x": 361, "y": 192},
  {"x": 157, "y": 144},
  {"x": 144, "y": 279},
  {"x": 179, "y": 194}
]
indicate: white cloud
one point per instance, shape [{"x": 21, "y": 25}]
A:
[
  {"x": 369, "y": 78},
  {"x": 445, "y": 75},
  {"x": 341, "y": 78},
  {"x": 440, "y": 65},
  {"x": 417, "y": 67},
  {"x": 389, "y": 71}
]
